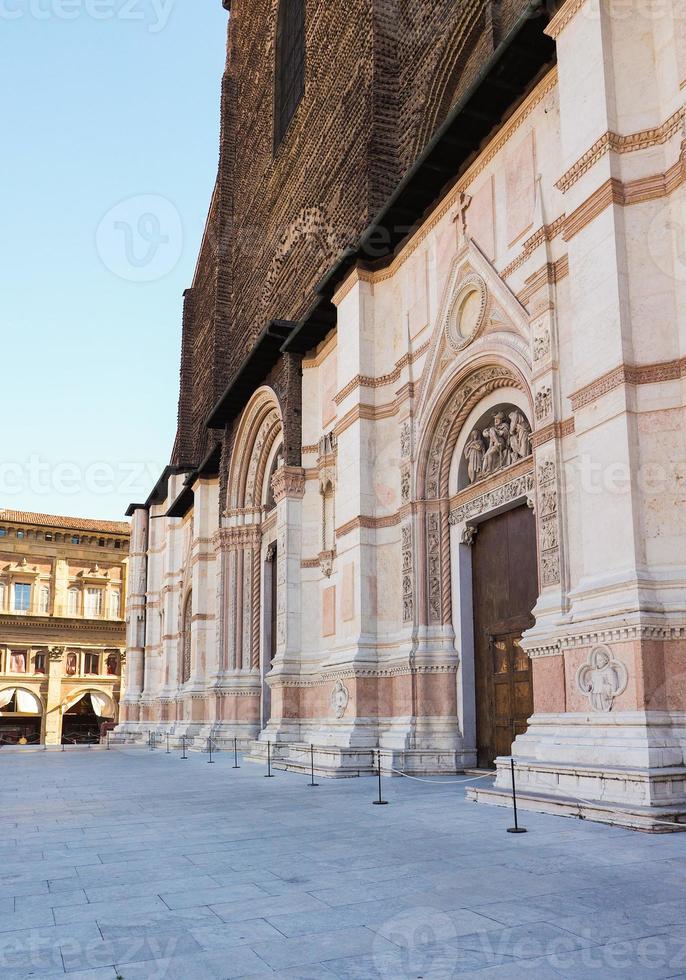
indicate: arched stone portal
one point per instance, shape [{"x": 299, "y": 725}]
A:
[
  {"x": 253, "y": 545},
  {"x": 477, "y": 554}
]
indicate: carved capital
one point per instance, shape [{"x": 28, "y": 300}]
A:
[{"x": 288, "y": 481}]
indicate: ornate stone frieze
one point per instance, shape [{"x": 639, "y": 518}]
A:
[
  {"x": 555, "y": 646},
  {"x": 602, "y": 678},
  {"x": 521, "y": 486}
]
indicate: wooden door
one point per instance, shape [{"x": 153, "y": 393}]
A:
[{"x": 505, "y": 589}]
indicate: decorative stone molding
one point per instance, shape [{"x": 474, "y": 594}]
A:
[
  {"x": 433, "y": 569},
  {"x": 340, "y": 697},
  {"x": 288, "y": 481},
  {"x": 602, "y": 678},
  {"x": 407, "y": 562},
  {"x": 548, "y": 523},
  {"x": 521, "y": 486},
  {"x": 611, "y": 142},
  {"x": 634, "y": 374},
  {"x": 555, "y": 646},
  {"x": 565, "y": 14}
]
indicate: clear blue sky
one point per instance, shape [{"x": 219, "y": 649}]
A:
[{"x": 110, "y": 122}]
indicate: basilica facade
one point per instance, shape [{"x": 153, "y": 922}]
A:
[{"x": 427, "y": 491}]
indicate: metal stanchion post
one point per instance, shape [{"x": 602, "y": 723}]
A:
[
  {"x": 183, "y": 743},
  {"x": 209, "y": 749},
  {"x": 268, "y": 774},
  {"x": 108, "y": 741},
  {"x": 235, "y": 754},
  {"x": 380, "y": 801},
  {"x": 167, "y": 743},
  {"x": 516, "y": 829},
  {"x": 312, "y": 782}
]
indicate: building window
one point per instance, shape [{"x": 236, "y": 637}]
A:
[
  {"x": 3, "y": 532},
  {"x": 44, "y": 600},
  {"x": 93, "y": 603},
  {"x": 290, "y": 64},
  {"x": 91, "y": 663},
  {"x": 3, "y": 595},
  {"x": 112, "y": 664},
  {"x": 71, "y": 664},
  {"x": 75, "y": 539},
  {"x": 40, "y": 663},
  {"x": 115, "y": 603},
  {"x": 22, "y": 597},
  {"x": 73, "y": 602},
  {"x": 48, "y": 536},
  {"x": 101, "y": 542},
  {"x": 20, "y": 534},
  {"x": 18, "y": 662}
]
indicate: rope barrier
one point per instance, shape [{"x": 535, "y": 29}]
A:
[{"x": 441, "y": 782}]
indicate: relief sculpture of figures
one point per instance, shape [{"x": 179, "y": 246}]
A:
[
  {"x": 520, "y": 436},
  {"x": 474, "y": 454},
  {"x": 506, "y": 440}
]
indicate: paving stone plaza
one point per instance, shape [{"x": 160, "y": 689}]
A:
[{"x": 137, "y": 865}]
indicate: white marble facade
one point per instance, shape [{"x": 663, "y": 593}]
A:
[{"x": 546, "y": 293}]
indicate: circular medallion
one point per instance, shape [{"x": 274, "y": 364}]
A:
[{"x": 467, "y": 312}]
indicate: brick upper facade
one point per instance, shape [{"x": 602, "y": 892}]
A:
[{"x": 381, "y": 75}]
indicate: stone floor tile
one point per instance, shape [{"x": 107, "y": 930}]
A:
[
  {"x": 213, "y": 895},
  {"x": 240, "y": 961},
  {"x": 282, "y": 954}
]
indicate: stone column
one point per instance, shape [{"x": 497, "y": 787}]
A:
[
  {"x": 135, "y": 617},
  {"x": 288, "y": 484},
  {"x": 53, "y": 715}
]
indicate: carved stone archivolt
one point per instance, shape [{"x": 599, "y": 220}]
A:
[
  {"x": 468, "y": 394},
  {"x": 602, "y": 678}
]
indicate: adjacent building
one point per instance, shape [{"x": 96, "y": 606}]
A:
[
  {"x": 62, "y": 631},
  {"x": 427, "y": 489}
]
